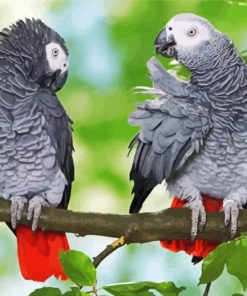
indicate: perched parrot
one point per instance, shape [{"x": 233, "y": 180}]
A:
[
  {"x": 194, "y": 134},
  {"x": 36, "y": 165}
]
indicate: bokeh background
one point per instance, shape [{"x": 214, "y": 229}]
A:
[{"x": 109, "y": 43}]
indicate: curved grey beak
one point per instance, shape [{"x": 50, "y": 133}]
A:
[
  {"x": 165, "y": 45},
  {"x": 61, "y": 79}
]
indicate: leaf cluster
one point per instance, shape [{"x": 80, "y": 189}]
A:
[
  {"x": 82, "y": 272},
  {"x": 231, "y": 255}
]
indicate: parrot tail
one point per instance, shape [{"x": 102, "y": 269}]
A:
[
  {"x": 199, "y": 248},
  {"x": 38, "y": 253}
]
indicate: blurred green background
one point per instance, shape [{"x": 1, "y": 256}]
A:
[{"x": 109, "y": 43}]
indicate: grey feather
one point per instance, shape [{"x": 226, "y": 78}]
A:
[
  {"x": 35, "y": 131},
  {"x": 167, "y": 145},
  {"x": 164, "y": 81}
]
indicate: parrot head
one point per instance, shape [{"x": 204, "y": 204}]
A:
[
  {"x": 191, "y": 39},
  {"x": 42, "y": 52}
]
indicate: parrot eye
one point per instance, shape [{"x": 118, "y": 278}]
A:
[
  {"x": 55, "y": 52},
  {"x": 191, "y": 32}
]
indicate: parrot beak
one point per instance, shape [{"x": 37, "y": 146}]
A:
[
  {"x": 59, "y": 80},
  {"x": 165, "y": 45}
]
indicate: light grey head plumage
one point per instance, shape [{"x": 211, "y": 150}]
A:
[{"x": 197, "y": 44}]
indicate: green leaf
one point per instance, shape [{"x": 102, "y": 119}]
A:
[
  {"x": 143, "y": 289},
  {"x": 167, "y": 288},
  {"x": 75, "y": 291},
  {"x": 233, "y": 254},
  {"x": 237, "y": 263},
  {"x": 237, "y": 294},
  {"x": 78, "y": 267},
  {"x": 46, "y": 292},
  {"x": 213, "y": 264}
]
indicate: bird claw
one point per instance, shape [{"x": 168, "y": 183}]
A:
[
  {"x": 198, "y": 217},
  {"x": 34, "y": 209},
  {"x": 231, "y": 210},
  {"x": 17, "y": 205}
]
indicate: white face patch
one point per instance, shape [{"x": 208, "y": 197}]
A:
[
  {"x": 56, "y": 57},
  {"x": 187, "y": 33}
]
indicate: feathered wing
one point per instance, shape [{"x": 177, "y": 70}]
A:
[
  {"x": 36, "y": 262},
  {"x": 15, "y": 96},
  {"x": 172, "y": 129},
  {"x": 58, "y": 126}
]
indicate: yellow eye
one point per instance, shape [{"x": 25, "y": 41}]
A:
[
  {"x": 55, "y": 52},
  {"x": 192, "y": 32}
]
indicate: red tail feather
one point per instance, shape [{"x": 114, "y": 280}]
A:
[
  {"x": 198, "y": 248},
  {"x": 38, "y": 253}
]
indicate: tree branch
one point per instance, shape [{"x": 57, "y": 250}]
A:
[
  {"x": 108, "y": 250},
  {"x": 136, "y": 228}
]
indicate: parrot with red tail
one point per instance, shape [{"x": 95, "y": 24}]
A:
[
  {"x": 36, "y": 165},
  {"x": 193, "y": 134}
]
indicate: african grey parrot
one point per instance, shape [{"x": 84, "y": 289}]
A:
[
  {"x": 194, "y": 134},
  {"x": 36, "y": 165}
]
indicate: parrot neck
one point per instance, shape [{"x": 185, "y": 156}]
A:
[
  {"x": 215, "y": 66},
  {"x": 222, "y": 73}
]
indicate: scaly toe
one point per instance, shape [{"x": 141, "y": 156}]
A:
[
  {"x": 34, "y": 210},
  {"x": 198, "y": 217},
  {"x": 231, "y": 210},
  {"x": 17, "y": 205}
]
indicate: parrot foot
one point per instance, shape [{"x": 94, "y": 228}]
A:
[
  {"x": 198, "y": 216},
  {"x": 17, "y": 205},
  {"x": 231, "y": 210},
  {"x": 34, "y": 209}
]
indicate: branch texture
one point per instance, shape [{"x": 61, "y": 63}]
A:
[{"x": 136, "y": 228}]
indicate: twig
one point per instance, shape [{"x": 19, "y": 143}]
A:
[
  {"x": 206, "y": 292},
  {"x": 95, "y": 290},
  {"x": 108, "y": 250}
]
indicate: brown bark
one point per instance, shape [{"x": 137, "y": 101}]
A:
[{"x": 136, "y": 228}]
